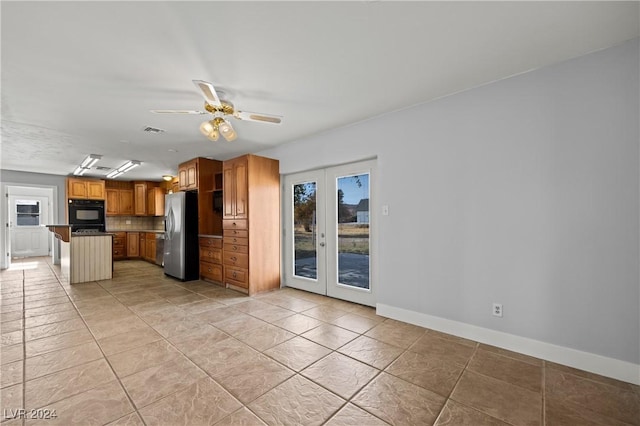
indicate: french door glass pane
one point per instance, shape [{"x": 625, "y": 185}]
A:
[
  {"x": 353, "y": 230},
  {"x": 305, "y": 230}
]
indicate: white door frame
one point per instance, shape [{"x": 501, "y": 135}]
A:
[
  {"x": 50, "y": 191},
  {"x": 326, "y": 245}
]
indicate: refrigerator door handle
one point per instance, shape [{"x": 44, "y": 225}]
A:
[{"x": 170, "y": 224}]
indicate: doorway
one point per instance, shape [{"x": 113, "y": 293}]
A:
[
  {"x": 329, "y": 240},
  {"x": 27, "y": 210}
]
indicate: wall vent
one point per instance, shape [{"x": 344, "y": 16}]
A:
[{"x": 150, "y": 129}]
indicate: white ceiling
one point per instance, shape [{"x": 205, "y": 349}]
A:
[{"x": 80, "y": 77}]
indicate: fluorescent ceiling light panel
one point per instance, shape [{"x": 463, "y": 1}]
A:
[
  {"x": 124, "y": 168},
  {"x": 86, "y": 164}
]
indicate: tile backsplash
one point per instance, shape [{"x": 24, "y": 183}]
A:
[{"x": 135, "y": 223}]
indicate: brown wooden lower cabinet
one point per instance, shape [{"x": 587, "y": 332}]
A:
[
  {"x": 211, "y": 258},
  {"x": 143, "y": 245},
  {"x": 150, "y": 252},
  {"x": 119, "y": 245},
  {"x": 133, "y": 244},
  {"x": 235, "y": 255}
]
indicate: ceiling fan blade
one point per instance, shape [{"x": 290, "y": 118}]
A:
[
  {"x": 254, "y": 116},
  {"x": 177, "y": 111},
  {"x": 208, "y": 91}
]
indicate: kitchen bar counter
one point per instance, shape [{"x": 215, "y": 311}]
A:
[{"x": 84, "y": 257}]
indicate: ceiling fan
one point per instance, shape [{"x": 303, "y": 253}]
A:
[{"x": 220, "y": 109}]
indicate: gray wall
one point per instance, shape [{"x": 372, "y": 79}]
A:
[
  {"x": 39, "y": 179},
  {"x": 523, "y": 192}
]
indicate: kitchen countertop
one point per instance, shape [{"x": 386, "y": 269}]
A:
[
  {"x": 209, "y": 236},
  {"x": 156, "y": 231},
  {"x": 92, "y": 234}
]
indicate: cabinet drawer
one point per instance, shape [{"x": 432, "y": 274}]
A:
[
  {"x": 238, "y": 241},
  {"x": 211, "y": 242},
  {"x": 239, "y": 233},
  {"x": 236, "y": 276},
  {"x": 119, "y": 252},
  {"x": 235, "y": 248},
  {"x": 211, "y": 255},
  {"x": 118, "y": 241},
  {"x": 234, "y": 224},
  {"x": 210, "y": 271},
  {"x": 236, "y": 259}
]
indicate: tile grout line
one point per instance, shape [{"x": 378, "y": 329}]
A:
[{"x": 466, "y": 365}]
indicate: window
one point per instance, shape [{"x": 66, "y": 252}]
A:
[{"x": 27, "y": 213}]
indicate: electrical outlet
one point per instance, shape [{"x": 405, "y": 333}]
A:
[
  {"x": 385, "y": 210},
  {"x": 127, "y": 222},
  {"x": 497, "y": 310}
]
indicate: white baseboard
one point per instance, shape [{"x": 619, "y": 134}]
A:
[{"x": 598, "y": 364}]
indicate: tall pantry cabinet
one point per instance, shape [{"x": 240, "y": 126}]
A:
[{"x": 251, "y": 223}]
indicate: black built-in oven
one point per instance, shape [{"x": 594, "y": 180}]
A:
[{"x": 85, "y": 215}]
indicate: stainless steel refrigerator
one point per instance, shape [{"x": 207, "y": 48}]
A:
[{"x": 181, "y": 236}]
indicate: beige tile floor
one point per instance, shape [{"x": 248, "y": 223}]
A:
[{"x": 146, "y": 349}]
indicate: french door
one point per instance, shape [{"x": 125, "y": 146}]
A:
[{"x": 329, "y": 231}]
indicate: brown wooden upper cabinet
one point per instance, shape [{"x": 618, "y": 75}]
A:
[
  {"x": 175, "y": 185},
  {"x": 188, "y": 175},
  {"x": 119, "y": 202},
  {"x": 236, "y": 189},
  {"x": 85, "y": 189},
  {"x": 140, "y": 198},
  {"x": 148, "y": 199},
  {"x": 155, "y": 201}
]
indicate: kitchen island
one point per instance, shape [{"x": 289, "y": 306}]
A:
[{"x": 83, "y": 256}]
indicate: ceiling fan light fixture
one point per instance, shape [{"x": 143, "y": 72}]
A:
[
  {"x": 213, "y": 135},
  {"x": 227, "y": 131},
  {"x": 207, "y": 127}
]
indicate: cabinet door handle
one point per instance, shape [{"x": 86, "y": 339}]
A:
[
  {"x": 235, "y": 247},
  {"x": 234, "y": 258},
  {"x": 234, "y": 275}
]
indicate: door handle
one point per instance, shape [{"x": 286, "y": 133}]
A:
[{"x": 321, "y": 244}]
